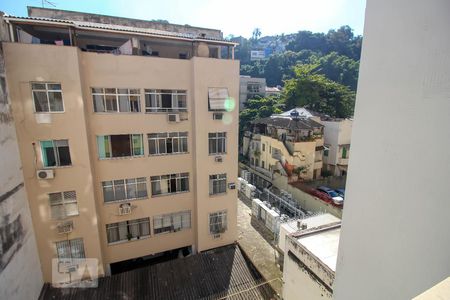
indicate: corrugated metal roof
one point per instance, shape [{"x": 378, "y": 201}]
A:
[{"x": 118, "y": 28}]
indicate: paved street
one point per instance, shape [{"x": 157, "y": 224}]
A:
[{"x": 257, "y": 248}]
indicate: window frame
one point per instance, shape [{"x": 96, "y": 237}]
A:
[
  {"x": 165, "y": 136},
  {"x": 71, "y": 248},
  {"x": 215, "y": 180},
  {"x": 132, "y": 150},
  {"x": 117, "y": 95},
  {"x": 56, "y": 154},
  {"x": 216, "y": 138},
  {"x": 169, "y": 177},
  {"x": 158, "y": 95},
  {"x": 113, "y": 185},
  {"x": 129, "y": 224},
  {"x": 171, "y": 228},
  {"x": 48, "y": 99},
  {"x": 63, "y": 203},
  {"x": 223, "y": 222}
]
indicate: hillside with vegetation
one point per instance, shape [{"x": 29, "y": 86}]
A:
[{"x": 316, "y": 70}]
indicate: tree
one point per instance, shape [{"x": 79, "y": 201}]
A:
[
  {"x": 318, "y": 93},
  {"x": 256, "y": 34},
  {"x": 339, "y": 68}
]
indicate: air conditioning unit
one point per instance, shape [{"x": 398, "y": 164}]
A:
[
  {"x": 173, "y": 118},
  {"x": 232, "y": 186},
  {"x": 45, "y": 174},
  {"x": 216, "y": 236},
  {"x": 65, "y": 227},
  {"x": 217, "y": 116},
  {"x": 218, "y": 159},
  {"x": 124, "y": 209}
]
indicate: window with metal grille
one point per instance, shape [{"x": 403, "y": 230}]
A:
[
  {"x": 172, "y": 222},
  {"x": 217, "y": 184},
  {"x": 167, "y": 143},
  {"x": 217, "y": 143},
  {"x": 120, "y": 145},
  {"x": 218, "y": 222},
  {"x": 128, "y": 230},
  {"x": 63, "y": 204},
  {"x": 116, "y": 100},
  {"x": 47, "y": 97},
  {"x": 170, "y": 184},
  {"x": 70, "y": 248},
  {"x": 165, "y": 101},
  {"x": 124, "y": 189},
  {"x": 55, "y": 153}
]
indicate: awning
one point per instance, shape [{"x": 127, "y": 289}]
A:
[{"x": 217, "y": 98}]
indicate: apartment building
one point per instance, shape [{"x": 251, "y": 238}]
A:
[
  {"x": 337, "y": 136},
  {"x": 249, "y": 88},
  {"x": 127, "y": 133},
  {"x": 289, "y": 144}
]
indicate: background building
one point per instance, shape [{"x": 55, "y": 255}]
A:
[
  {"x": 249, "y": 88},
  {"x": 119, "y": 160},
  {"x": 337, "y": 135},
  {"x": 20, "y": 272},
  {"x": 395, "y": 242}
]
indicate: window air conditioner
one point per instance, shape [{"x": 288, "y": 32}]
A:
[
  {"x": 65, "y": 227},
  {"x": 218, "y": 159},
  {"x": 124, "y": 209},
  {"x": 173, "y": 118},
  {"x": 217, "y": 116},
  {"x": 45, "y": 174},
  {"x": 232, "y": 186}
]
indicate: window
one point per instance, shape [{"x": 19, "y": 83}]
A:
[
  {"x": 116, "y": 100},
  {"x": 127, "y": 230},
  {"x": 47, "y": 97},
  {"x": 121, "y": 145},
  {"x": 63, "y": 204},
  {"x": 70, "y": 249},
  {"x": 263, "y": 147},
  {"x": 326, "y": 151},
  {"x": 217, "y": 184},
  {"x": 218, "y": 99},
  {"x": 55, "y": 153},
  {"x": 172, "y": 222},
  {"x": 165, "y": 101},
  {"x": 256, "y": 162},
  {"x": 344, "y": 152},
  {"x": 217, "y": 142},
  {"x": 169, "y": 184},
  {"x": 167, "y": 143},
  {"x": 253, "y": 87},
  {"x": 124, "y": 189},
  {"x": 217, "y": 222},
  {"x": 262, "y": 164}
]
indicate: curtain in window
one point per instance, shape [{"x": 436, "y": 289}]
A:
[
  {"x": 138, "y": 148},
  {"x": 144, "y": 226},
  {"x": 217, "y": 98},
  {"x": 48, "y": 154},
  {"x": 103, "y": 145},
  {"x": 112, "y": 232}
]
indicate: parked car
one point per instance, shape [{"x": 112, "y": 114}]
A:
[
  {"x": 337, "y": 199},
  {"x": 341, "y": 192}
]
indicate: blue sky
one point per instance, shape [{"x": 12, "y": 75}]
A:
[{"x": 237, "y": 17}]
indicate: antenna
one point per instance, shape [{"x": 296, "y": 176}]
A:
[{"x": 47, "y": 2}]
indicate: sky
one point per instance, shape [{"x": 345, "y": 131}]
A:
[{"x": 236, "y": 17}]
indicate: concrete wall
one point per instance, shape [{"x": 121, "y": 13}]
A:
[
  {"x": 395, "y": 241},
  {"x": 96, "y": 18},
  {"x": 337, "y": 134},
  {"x": 20, "y": 272}
]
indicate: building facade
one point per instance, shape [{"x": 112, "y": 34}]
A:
[
  {"x": 128, "y": 138},
  {"x": 290, "y": 144},
  {"x": 337, "y": 136},
  {"x": 19, "y": 260},
  {"x": 249, "y": 88}
]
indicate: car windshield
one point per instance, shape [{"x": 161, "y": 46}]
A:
[{"x": 333, "y": 194}]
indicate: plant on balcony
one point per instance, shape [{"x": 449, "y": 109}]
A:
[
  {"x": 300, "y": 170},
  {"x": 129, "y": 236}
]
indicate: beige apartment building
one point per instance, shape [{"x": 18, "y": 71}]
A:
[
  {"x": 128, "y": 134},
  {"x": 290, "y": 144},
  {"x": 337, "y": 137}
]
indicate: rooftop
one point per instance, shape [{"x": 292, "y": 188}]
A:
[
  {"x": 217, "y": 273},
  {"x": 289, "y": 122}
]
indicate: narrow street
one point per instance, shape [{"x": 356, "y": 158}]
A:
[{"x": 257, "y": 248}]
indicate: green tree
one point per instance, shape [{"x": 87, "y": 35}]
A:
[
  {"x": 314, "y": 91},
  {"x": 339, "y": 68}
]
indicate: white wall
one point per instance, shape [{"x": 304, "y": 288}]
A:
[
  {"x": 395, "y": 240},
  {"x": 20, "y": 269}
]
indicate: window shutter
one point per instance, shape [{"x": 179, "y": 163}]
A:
[{"x": 217, "y": 98}]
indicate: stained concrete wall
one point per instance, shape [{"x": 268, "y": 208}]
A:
[
  {"x": 395, "y": 240},
  {"x": 20, "y": 271},
  {"x": 87, "y": 17}
]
